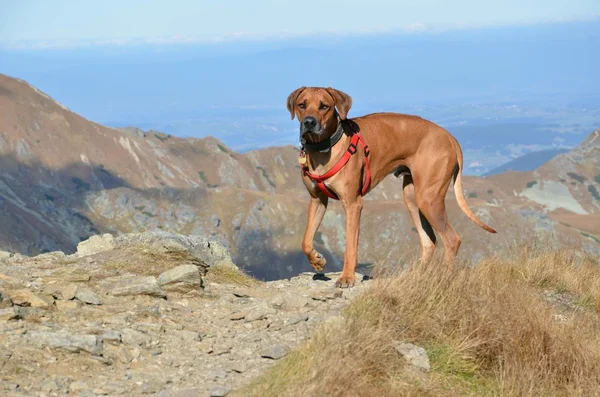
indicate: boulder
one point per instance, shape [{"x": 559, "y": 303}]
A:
[
  {"x": 182, "y": 279},
  {"x": 137, "y": 285}
]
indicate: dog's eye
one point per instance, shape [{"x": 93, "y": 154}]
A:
[
  {"x": 302, "y": 106},
  {"x": 323, "y": 107}
]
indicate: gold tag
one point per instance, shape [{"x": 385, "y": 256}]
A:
[{"x": 302, "y": 158}]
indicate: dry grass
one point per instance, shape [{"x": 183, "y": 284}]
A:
[
  {"x": 143, "y": 260},
  {"x": 230, "y": 275},
  {"x": 488, "y": 330}
]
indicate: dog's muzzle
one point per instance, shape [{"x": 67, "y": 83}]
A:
[{"x": 310, "y": 125}]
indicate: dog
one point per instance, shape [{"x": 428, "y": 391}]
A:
[{"x": 346, "y": 158}]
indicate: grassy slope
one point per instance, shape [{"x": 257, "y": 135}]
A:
[{"x": 525, "y": 323}]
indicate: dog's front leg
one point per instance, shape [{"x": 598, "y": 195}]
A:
[
  {"x": 316, "y": 212},
  {"x": 353, "y": 210}
]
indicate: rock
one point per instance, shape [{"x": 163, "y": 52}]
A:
[
  {"x": 149, "y": 327},
  {"x": 78, "y": 386},
  {"x": 296, "y": 319},
  {"x": 5, "y": 255},
  {"x": 137, "y": 285},
  {"x": 182, "y": 279},
  {"x": 124, "y": 355},
  {"x": 274, "y": 352},
  {"x": 219, "y": 391},
  {"x": 111, "y": 336},
  {"x": 238, "y": 367},
  {"x": 50, "y": 256},
  {"x": 67, "y": 305},
  {"x": 289, "y": 301},
  {"x": 188, "y": 336},
  {"x": 135, "y": 338},
  {"x": 206, "y": 252},
  {"x": 69, "y": 291},
  {"x": 414, "y": 355},
  {"x": 238, "y": 316},
  {"x": 325, "y": 294},
  {"x": 151, "y": 386},
  {"x": 10, "y": 313},
  {"x": 86, "y": 295},
  {"x": 62, "y": 340},
  {"x": 49, "y": 386},
  {"x": 5, "y": 300},
  {"x": 95, "y": 244},
  {"x": 24, "y": 297},
  {"x": 259, "y": 314}
]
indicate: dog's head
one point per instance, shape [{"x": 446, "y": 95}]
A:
[{"x": 315, "y": 108}]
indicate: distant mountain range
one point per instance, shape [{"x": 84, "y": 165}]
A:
[
  {"x": 65, "y": 178},
  {"x": 527, "y": 162}
]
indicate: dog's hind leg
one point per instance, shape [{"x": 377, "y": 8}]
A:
[
  {"x": 430, "y": 194},
  {"x": 316, "y": 212},
  {"x": 422, "y": 225}
]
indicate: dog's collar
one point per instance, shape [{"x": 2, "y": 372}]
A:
[{"x": 325, "y": 145}]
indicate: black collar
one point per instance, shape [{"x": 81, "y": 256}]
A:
[{"x": 326, "y": 144}]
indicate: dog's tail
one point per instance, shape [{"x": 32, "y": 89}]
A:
[{"x": 460, "y": 198}]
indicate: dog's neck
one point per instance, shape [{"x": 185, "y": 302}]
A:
[
  {"x": 318, "y": 160},
  {"x": 326, "y": 144}
]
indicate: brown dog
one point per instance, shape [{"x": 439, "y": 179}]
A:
[{"x": 423, "y": 152}]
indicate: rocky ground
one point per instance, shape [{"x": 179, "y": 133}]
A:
[{"x": 149, "y": 314}]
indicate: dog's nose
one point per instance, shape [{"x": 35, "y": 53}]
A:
[{"x": 309, "y": 122}]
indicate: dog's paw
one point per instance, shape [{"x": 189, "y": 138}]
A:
[
  {"x": 317, "y": 261},
  {"x": 345, "y": 281}
]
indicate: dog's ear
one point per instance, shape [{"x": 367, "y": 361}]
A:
[
  {"x": 343, "y": 102},
  {"x": 291, "y": 101}
]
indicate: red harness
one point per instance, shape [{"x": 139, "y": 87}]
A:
[{"x": 320, "y": 179}]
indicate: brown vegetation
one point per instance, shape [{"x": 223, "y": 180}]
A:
[{"x": 521, "y": 324}]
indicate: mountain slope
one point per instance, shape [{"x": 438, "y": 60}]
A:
[{"x": 527, "y": 162}]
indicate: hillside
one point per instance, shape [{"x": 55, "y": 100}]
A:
[
  {"x": 527, "y": 162},
  {"x": 66, "y": 178}
]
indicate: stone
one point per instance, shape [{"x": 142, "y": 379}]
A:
[
  {"x": 5, "y": 300},
  {"x": 151, "y": 386},
  {"x": 137, "y": 285},
  {"x": 259, "y": 314},
  {"x": 238, "y": 316},
  {"x": 49, "y": 386},
  {"x": 135, "y": 338},
  {"x": 78, "y": 386},
  {"x": 219, "y": 391},
  {"x": 5, "y": 255},
  {"x": 289, "y": 301},
  {"x": 95, "y": 245},
  {"x": 296, "y": 319},
  {"x": 325, "y": 294},
  {"x": 69, "y": 342},
  {"x": 88, "y": 296},
  {"x": 274, "y": 352},
  {"x": 238, "y": 367},
  {"x": 10, "y": 313},
  {"x": 414, "y": 355},
  {"x": 181, "y": 279},
  {"x": 67, "y": 305},
  {"x": 189, "y": 336},
  {"x": 69, "y": 291},
  {"x": 124, "y": 355},
  {"x": 149, "y": 327},
  {"x": 111, "y": 336},
  {"x": 24, "y": 297}
]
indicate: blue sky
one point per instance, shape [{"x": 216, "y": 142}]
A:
[{"x": 72, "y": 23}]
